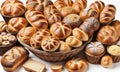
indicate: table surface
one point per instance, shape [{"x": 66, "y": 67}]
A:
[{"x": 92, "y": 67}]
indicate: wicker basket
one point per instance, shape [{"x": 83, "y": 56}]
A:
[{"x": 55, "y": 56}]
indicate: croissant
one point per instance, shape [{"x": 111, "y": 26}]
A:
[
  {"x": 36, "y": 19},
  {"x": 90, "y": 25},
  {"x": 52, "y": 14},
  {"x": 60, "y": 30},
  {"x": 98, "y": 6},
  {"x": 37, "y": 38},
  {"x": 12, "y": 8},
  {"x": 107, "y": 35},
  {"x": 108, "y": 14},
  {"x": 26, "y": 33},
  {"x": 50, "y": 44},
  {"x": 59, "y": 4},
  {"x": 38, "y": 5},
  {"x": 3, "y": 26},
  {"x": 78, "y": 5},
  {"x": 15, "y": 24}
]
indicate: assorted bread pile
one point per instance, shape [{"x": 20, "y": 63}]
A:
[{"x": 61, "y": 26}]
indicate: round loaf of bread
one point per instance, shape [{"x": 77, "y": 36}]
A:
[{"x": 12, "y": 8}]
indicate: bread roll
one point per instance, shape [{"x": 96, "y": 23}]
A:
[
  {"x": 67, "y": 10},
  {"x": 80, "y": 34},
  {"x": 78, "y": 5},
  {"x": 73, "y": 42},
  {"x": 77, "y": 65},
  {"x": 116, "y": 24},
  {"x": 15, "y": 24},
  {"x": 92, "y": 13},
  {"x": 56, "y": 67},
  {"x": 83, "y": 14},
  {"x": 98, "y": 6},
  {"x": 37, "y": 38},
  {"x": 60, "y": 30},
  {"x": 68, "y": 2},
  {"x": 36, "y": 19},
  {"x": 108, "y": 14},
  {"x": 59, "y": 4},
  {"x": 52, "y": 14},
  {"x": 73, "y": 20},
  {"x": 26, "y": 33},
  {"x": 64, "y": 47},
  {"x": 38, "y": 5},
  {"x": 3, "y": 26},
  {"x": 13, "y": 58},
  {"x": 12, "y": 8},
  {"x": 50, "y": 44},
  {"x": 90, "y": 25},
  {"x": 108, "y": 35}
]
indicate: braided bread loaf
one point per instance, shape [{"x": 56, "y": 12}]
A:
[
  {"x": 107, "y": 35},
  {"x": 52, "y": 14},
  {"x": 36, "y": 19},
  {"x": 98, "y": 6},
  {"x": 3, "y": 26},
  {"x": 12, "y": 8},
  {"x": 15, "y": 24},
  {"x": 26, "y": 33},
  {"x": 37, "y": 38},
  {"x": 108, "y": 14},
  {"x": 60, "y": 30},
  {"x": 78, "y": 5},
  {"x": 37, "y": 5}
]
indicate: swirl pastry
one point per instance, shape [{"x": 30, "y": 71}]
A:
[
  {"x": 52, "y": 14},
  {"x": 50, "y": 44},
  {"x": 36, "y": 19},
  {"x": 60, "y": 30},
  {"x": 12, "y": 8}
]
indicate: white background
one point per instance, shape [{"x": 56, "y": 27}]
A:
[{"x": 92, "y": 67}]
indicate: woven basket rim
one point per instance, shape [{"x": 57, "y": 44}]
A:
[{"x": 53, "y": 53}]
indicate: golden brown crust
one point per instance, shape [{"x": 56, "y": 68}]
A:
[
  {"x": 67, "y": 10},
  {"x": 15, "y": 24},
  {"x": 80, "y": 34},
  {"x": 38, "y": 5},
  {"x": 37, "y": 38},
  {"x": 106, "y": 61},
  {"x": 36, "y": 19},
  {"x": 64, "y": 47},
  {"x": 73, "y": 42},
  {"x": 56, "y": 67},
  {"x": 107, "y": 35},
  {"x": 68, "y": 2},
  {"x": 14, "y": 57},
  {"x": 108, "y": 14},
  {"x": 60, "y": 30},
  {"x": 59, "y": 4},
  {"x": 12, "y": 8},
  {"x": 92, "y": 13},
  {"x": 52, "y": 14},
  {"x": 50, "y": 44},
  {"x": 3, "y": 26},
  {"x": 98, "y": 6},
  {"x": 26, "y": 33},
  {"x": 78, "y": 5},
  {"x": 77, "y": 65}
]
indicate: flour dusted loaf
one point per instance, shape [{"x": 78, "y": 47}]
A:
[
  {"x": 12, "y": 8},
  {"x": 13, "y": 58}
]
